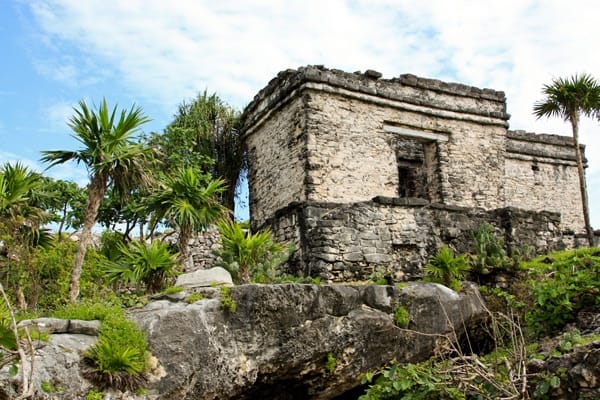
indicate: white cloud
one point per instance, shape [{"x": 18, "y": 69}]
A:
[
  {"x": 11, "y": 158},
  {"x": 57, "y": 116},
  {"x": 165, "y": 52}
]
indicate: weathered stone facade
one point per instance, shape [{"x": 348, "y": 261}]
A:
[{"x": 362, "y": 172}]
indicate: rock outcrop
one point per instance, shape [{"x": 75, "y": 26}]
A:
[
  {"x": 282, "y": 342},
  {"x": 296, "y": 341}
]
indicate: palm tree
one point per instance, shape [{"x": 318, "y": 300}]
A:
[
  {"x": 569, "y": 98},
  {"x": 187, "y": 201},
  {"x": 112, "y": 158},
  {"x": 206, "y": 133},
  {"x": 21, "y": 220}
]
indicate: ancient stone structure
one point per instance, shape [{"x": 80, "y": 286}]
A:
[{"x": 362, "y": 172}]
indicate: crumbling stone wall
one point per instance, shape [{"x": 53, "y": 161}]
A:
[
  {"x": 541, "y": 174},
  {"x": 348, "y": 242}
]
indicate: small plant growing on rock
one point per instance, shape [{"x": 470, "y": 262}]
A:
[
  {"x": 380, "y": 277},
  {"x": 227, "y": 302},
  {"x": 94, "y": 395},
  {"x": 401, "y": 317},
  {"x": 331, "y": 363},
  {"x": 194, "y": 297},
  {"x": 446, "y": 268},
  {"x": 119, "y": 358}
]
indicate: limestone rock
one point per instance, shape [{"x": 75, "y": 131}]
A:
[
  {"x": 204, "y": 278},
  {"x": 277, "y": 343},
  {"x": 57, "y": 362}
]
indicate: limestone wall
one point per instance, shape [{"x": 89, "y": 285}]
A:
[
  {"x": 276, "y": 161},
  {"x": 348, "y": 242},
  {"x": 331, "y": 125},
  {"x": 541, "y": 174},
  {"x": 351, "y": 156}
]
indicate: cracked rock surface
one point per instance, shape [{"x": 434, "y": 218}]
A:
[{"x": 278, "y": 342}]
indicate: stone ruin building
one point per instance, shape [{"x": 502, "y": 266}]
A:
[{"x": 362, "y": 172}]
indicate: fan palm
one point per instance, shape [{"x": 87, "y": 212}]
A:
[
  {"x": 570, "y": 98},
  {"x": 187, "y": 201},
  {"x": 112, "y": 157}
]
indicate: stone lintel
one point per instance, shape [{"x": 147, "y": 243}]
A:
[{"x": 413, "y": 134}]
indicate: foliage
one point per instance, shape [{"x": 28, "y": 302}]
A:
[
  {"x": 446, "y": 268},
  {"x": 205, "y": 133},
  {"x": 119, "y": 358},
  {"x": 562, "y": 284},
  {"x": 7, "y": 336},
  {"x": 380, "y": 277},
  {"x": 425, "y": 380},
  {"x": 21, "y": 232},
  {"x": 227, "y": 302},
  {"x": 173, "y": 290},
  {"x": 245, "y": 254},
  {"x": 488, "y": 251},
  {"x": 194, "y": 297},
  {"x": 94, "y": 394},
  {"x": 401, "y": 317},
  {"x": 186, "y": 201},
  {"x": 113, "y": 159},
  {"x": 569, "y": 99},
  {"x": 110, "y": 244},
  {"x": 141, "y": 263},
  {"x": 331, "y": 363},
  {"x": 65, "y": 201}
]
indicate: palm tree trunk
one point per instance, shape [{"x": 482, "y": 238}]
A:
[
  {"x": 185, "y": 234},
  {"x": 582, "y": 185},
  {"x": 96, "y": 192}
]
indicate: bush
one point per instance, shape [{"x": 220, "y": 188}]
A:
[
  {"x": 488, "y": 251},
  {"x": 245, "y": 254},
  {"x": 140, "y": 263},
  {"x": 446, "y": 268},
  {"x": 562, "y": 284},
  {"x": 119, "y": 358}
]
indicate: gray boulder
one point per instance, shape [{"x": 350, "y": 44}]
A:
[
  {"x": 204, "y": 278},
  {"x": 297, "y": 341}
]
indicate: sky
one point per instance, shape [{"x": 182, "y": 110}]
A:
[{"x": 157, "y": 54}]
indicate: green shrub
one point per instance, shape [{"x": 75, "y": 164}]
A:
[
  {"x": 111, "y": 242},
  {"x": 7, "y": 336},
  {"x": 140, "y": 263},
  {"x": 380, "y": 277},
  {"x": 446, "y": 268},
  {"x": 562, "y": 285},
  {"x": 245, "y": 254},
  {"x": 88, "y": 310},
  {"x": 425, "y": 380},
  {"x": 488, "y": 251},
  {"x": 119, "y": 358}
]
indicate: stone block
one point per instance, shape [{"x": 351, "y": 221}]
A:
[{"x": 205, "y": 278}]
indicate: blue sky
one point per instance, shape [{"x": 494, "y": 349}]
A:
[{"x": 156, "y": 54}]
